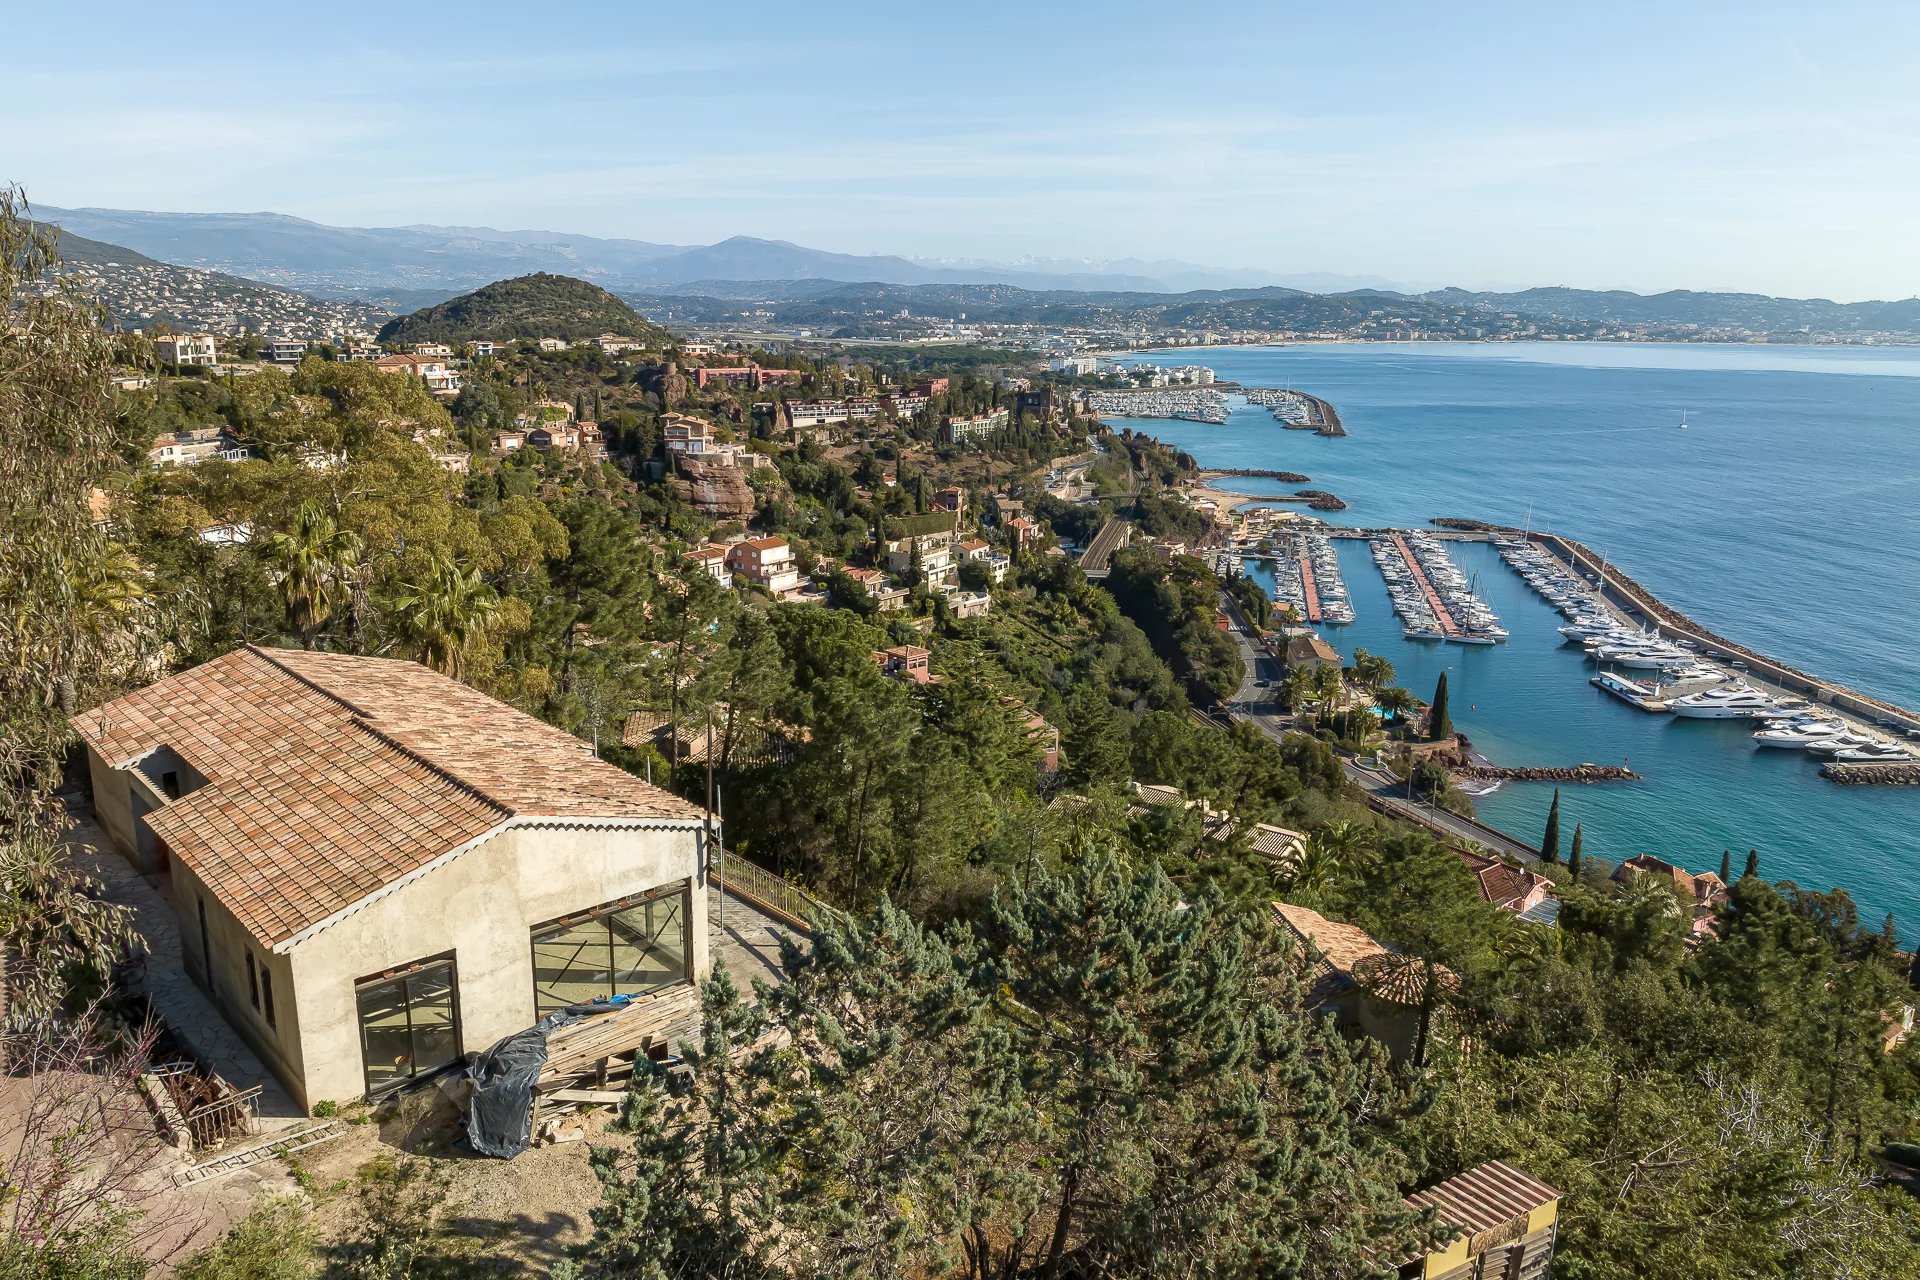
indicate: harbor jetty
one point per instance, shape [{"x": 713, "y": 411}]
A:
[
  {"x": 1296, "y": 410},
  {"x": 1701, "y": 674},
  {"x": 1670, "y": 622}
]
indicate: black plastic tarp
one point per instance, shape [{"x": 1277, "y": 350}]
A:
[{"x": 500, "y": 1110}]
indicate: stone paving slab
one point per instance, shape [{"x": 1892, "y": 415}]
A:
[{"x": 182, "y": 1005}]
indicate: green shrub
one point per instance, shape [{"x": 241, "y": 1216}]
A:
[{"x": 274, "y": 1242}]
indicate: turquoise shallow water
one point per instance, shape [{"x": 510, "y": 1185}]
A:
[{"x": 1787, "y": 517}]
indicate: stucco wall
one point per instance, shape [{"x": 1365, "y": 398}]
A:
[
  {"x": 112, "y": 802},
  {"x": 278, "y": 1045},
  {"x": 479, "y": 906}
]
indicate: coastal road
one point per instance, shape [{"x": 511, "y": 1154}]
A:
[
  {"x": 1388, "y": 794},
  {"x": 1385, "y": 793}
]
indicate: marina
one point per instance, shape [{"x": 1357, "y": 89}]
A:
[
  {"x": 1685, "y": 681},
  {"x": 1544, "y": 420},
  {"x": 1307, "y": 580},
  {"x": 1296, "y": 410},
  {"x": 1191, "y": 404},
  {"x": 1432, "y": 597}
]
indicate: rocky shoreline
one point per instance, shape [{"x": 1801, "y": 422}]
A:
[{"x": 1320, "y": 500}]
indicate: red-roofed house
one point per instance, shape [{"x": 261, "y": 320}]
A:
[
  {"x": 1702, "y": 894},
  {"x": 1505, "y": 886},
  {"x": 908, "y": 661},
  {"x": 377, "y": 869},
  {"x": 432, "y": 370},
  {"x": 1498, "y": 1220}
]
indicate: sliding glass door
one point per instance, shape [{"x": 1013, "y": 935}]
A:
[
  {"x": 628, "y": 947},
  {"x": 409, "y": 1023}
]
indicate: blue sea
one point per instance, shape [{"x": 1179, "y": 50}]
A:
[{"x": 1786, "y": 517}]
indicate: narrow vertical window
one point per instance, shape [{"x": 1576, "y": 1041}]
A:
[
  {"x": 266, "y": 994},
  {"x": 253, "y": 982},
  {"x": 206, "y": 947}
]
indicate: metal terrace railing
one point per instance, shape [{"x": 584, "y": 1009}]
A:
[{"x": 781, "y": 899}]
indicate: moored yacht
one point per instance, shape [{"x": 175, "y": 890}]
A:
[
  {"x": 1798, "y": 733},
  {"x": 1735, "y": 702},
  {"x": 1874, "y": 753}
]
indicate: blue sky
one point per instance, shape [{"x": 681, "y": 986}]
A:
[{"x": 1773, "y": 147}]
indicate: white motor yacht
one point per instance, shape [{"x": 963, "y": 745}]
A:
[
  {"x": 1836, "y": 743},
  {"x": 1798, "y": 733},
  {"x": 1736, "y": 702},
  {"x": 1874, "y": 753},
  {"x": 1638, "y": 659}
]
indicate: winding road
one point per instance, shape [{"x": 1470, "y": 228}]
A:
[{"x": 1261, "y": 708}]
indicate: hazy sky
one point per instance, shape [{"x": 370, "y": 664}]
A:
[{"x": 1773, "y": 147}]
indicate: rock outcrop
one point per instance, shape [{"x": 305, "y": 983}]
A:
[{"x": 714, "y": 489}]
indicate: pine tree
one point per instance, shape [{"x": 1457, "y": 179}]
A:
[
  {"x": 1726, "y": 866},
  {"x": 1753, "y": 864},
  {"x": 1550, "y": 841},
  {"x": 1573, "y": 854},
  {"x": 692, "y": 1195},
  {"x": 1439, "y": 723},
  {"x": 1140, "y": 1098}
]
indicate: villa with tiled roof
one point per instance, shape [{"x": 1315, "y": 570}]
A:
[{"x": 377, "y": 869}]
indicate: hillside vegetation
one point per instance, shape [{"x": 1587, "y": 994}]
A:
[{"x": 541, "y": 305}]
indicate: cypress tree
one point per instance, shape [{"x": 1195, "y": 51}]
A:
[
  {"x": 1573, "y": 854},
  {"x": 1753, "y": 864},
  {"x": 1726, "y": 866},
  {"x": 1550, "y": 841},
  {"x": 1439, "y": 723}
]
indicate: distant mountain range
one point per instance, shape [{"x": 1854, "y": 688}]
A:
[
  {"x": 1557, "y": 312},
  {"x": 393, "y": 270},
  {"x": 375, "y": 261}
]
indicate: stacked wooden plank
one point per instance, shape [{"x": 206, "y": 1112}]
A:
[{"x": 604, "y": 1048}]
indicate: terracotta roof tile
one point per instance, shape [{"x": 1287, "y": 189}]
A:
[{"x": 330, "y": 776}]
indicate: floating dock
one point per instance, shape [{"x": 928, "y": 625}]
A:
[{"x": 1441, "y": 614}]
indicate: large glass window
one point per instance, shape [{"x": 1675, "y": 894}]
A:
[
  {"x": 409, "y": 1023},
  {"x": 629, "y": 947}
]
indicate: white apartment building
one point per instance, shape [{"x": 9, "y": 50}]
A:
[{"x": 186, "y": 350}]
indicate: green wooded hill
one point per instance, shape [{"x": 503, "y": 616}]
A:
[{"x": 541, "y": 305}]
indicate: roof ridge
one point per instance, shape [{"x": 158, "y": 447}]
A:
[
  {"x": 365, "y": 724},
  {"x": 364, "y": 720},
  {"x": 266, "y": 655}
]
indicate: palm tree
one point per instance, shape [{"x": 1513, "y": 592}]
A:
[
  {"x": 1314, "y": 871},
  {"x": 1395, "y": 701},
  {"x": 314, "y": 561},
  {"x": 443, "y": 615}
]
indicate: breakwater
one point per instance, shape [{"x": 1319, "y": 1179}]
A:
[
  {"x": 1671, "y": 622},
  {"x": 1296, "y": 410},
  {"x": 1872, "y": 775},
  {"x": 1285, "y": 477},
  {"x": 1533, "y": 773}
]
